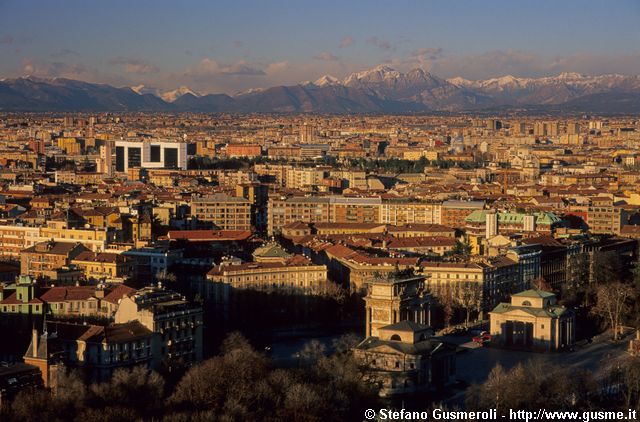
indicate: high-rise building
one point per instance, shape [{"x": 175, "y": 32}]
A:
[
  {"x": 226, "y": 212},
  {"x": 540, "y": 129},
  {"x": 573, "y": 128},
  {"x": 105, "y": 163}
]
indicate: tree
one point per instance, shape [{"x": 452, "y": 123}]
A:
[
  {"x": 469, "y": 296},
  {"x": 605, "y": 267},
  {"x": 448, "y": 303},
  {"x": 541, "y": 284},
  {"x": 612, "y": 304},
  {"x": 533, "y": 385},
  {"x": 461, "y": 249},
  {"x": 574, "y": 290}
]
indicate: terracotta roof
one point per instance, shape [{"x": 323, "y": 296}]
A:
[
  {"x": 118, "y": 293},
  {"x": 89, "y": 256},
  {"x": 63, "y": 293},
  {"x": 295, "y": 261}
]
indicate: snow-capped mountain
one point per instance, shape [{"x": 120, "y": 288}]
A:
[
  {"x": 327, "y": 80},
  {"x": 171, "y": 96},
  {"x": 377, "y": 75},
  {"x": 142, "y": 90},
  {"x": 381, "y": 89},
  {"x": 549, "y": 89}
]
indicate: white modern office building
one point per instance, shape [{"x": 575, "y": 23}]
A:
[{"x": 151, "y": 154}]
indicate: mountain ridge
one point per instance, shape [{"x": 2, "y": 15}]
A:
[{"x": 378, "y": 90}]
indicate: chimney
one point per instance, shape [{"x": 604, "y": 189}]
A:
[{"x": 34, "y": 343}]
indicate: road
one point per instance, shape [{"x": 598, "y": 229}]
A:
[{"x": 474, "y": 365}]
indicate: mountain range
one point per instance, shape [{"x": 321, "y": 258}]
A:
[{"x": 379, "y": 90}]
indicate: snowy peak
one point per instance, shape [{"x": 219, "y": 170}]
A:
[
  {"x": 171, "y": 96},
  {"x": 327, "y": 80},
  {"x": 376, "y": 75},
  {"x": 461, "y": 82},
  {"x": 142, "y": 90}
]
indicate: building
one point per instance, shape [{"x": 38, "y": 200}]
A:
[
  {"x": 16, "y": 378},
  {"x": 152, "y": 154},
  {"x": 400, "y": 213},
  {"x": 489, "y": 280},
  {"x": 295, "y": 273},
  {"x": 43, "y": 259},
  {"x": 354, "y": 268},
  {"x": 307, "y": 133},
  {"x": 489, "y": 223},
  {"x": 403, "y": 358},
  {"x": 342, "y": 209},
  {"x": 285, "y": 210},
  {"x": 393, "y": 298},
  {"x": 224, "y": 211},
  {"x": 243, "y": 150},
  {"x": 272, "y": 268},
  {"x": 150, "y": 262},
  {"x": 105, "y": 266},
  {"x": 25, "y": 297},
  {"x": 176, "y": 323},
  {"x": 533, "y": 320},
  {"x": 14, "y": 238},
  {"x": 454, "y": 213}
]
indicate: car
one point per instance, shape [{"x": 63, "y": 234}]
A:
[{"x": 483, "y": 337}]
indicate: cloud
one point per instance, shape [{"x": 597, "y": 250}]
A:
[
  {"x": 496, "y": 63},
  {"x": 325, "y": 56},
  {"x": 56, "y": 69},
  {"x": 381, "y": 44},
  {"x": 430, "y": 53},
  {"x": 210, "y": 67},
  {"x": 134, "y": 65},
  {"x": 346, "y": 42},
  {"x": 237, "y": 44},
  {"x": 6, "y": 39}
]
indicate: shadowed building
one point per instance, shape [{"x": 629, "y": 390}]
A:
[
  {"x": 404, "y": 358},
  {"x": 533, "y": 320},
  {"x": 393, "y": 298}
]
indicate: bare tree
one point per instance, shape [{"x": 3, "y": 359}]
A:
[
  {"x": 541, "y": 284},
  {"x": 448, "y": 307},
  {"x": 468, "y": 296},
  {"x": 612, "y": 304}
]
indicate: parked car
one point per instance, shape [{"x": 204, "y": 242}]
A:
[{"x": 483, "y": 337}]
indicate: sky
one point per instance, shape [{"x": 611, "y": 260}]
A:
[{"x": 229, "y": 46}]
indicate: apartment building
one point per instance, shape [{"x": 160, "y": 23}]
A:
[
  {"x": 175, "y": 322},
  {"x": 294, "y": 273},
  {"x": 342, "y": 209},
  {"x": 43, "y": 259},
  {"x": 224, "y": 211},
  {"x": 400, "y": 213},
  {"x": 494, "y": 280}
]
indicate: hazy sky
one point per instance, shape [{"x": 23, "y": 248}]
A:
[{"x": 227, "y": 46}]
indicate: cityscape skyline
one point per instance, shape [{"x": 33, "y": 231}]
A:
[
  {"x": 223, "y": 49},
  {"x": 309, "y": 211}
]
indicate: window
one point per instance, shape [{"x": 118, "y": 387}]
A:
[
  {"x": 397, "y": 364},
  {"x": 395, "y": 337},
  {"x": 526, "y": 303}
]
